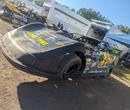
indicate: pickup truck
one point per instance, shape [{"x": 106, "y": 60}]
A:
[{"x": 46, "y": 52}]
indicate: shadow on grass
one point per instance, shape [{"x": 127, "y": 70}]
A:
[{"x": 80, "y": 94}]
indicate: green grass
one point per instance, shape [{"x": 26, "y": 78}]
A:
[{"x": 123, "y": 72}]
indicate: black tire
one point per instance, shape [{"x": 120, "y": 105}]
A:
[{"x": 70, "y": 66}]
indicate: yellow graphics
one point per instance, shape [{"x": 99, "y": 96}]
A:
[
  {"x": 32, "y": 35},
  {"x": 39, "y": 40},
  {"x": 12, "y": 7},
  {"x": 107, "y": 59},
  {"x": 42, "y": 42}
]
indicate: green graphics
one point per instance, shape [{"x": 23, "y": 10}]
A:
[{"x": 101, "y": 61}]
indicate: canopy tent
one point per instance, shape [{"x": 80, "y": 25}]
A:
[{"x": 121, "y": 38}]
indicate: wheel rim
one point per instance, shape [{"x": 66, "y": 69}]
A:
[{"x": 71, "y": 70}]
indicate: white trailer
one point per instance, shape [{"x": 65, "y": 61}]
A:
[{"x": 74, "y": 23}]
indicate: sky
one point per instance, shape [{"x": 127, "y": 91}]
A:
[{"x": 118, "y": 11}]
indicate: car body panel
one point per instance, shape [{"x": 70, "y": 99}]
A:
[
  {"x": 23, "y": 46},
  {"x": 100, "y": 62},
  {"x": 39, "y": 48}
]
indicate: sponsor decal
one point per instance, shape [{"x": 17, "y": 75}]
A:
[
  {"x": 107, "y": 59},
  {"x": 32, "y": 35},
  {"x": 59, "y": 43},
  {"x": 39, "y": 40},
  {"x": 99, "y": 62},
  {"x": 49, "y": 39},
  {"x": 42, "y": 42}
]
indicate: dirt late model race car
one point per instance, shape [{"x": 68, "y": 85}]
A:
[{"x": 46, "y": 52}]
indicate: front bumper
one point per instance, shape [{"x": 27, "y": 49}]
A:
[{"x": 13, "y": 59}]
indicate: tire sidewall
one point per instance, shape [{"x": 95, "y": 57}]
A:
[{"x": 68, "y": 62}]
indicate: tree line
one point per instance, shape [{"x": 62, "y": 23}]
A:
[{"x": 92, "y": 14}]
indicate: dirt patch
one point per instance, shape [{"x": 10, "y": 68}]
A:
[
  {"x": 123, "y": 73},
  {"x": 10, "y": 78}
]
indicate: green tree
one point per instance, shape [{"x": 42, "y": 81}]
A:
[
  {"x": 124, "y": 29},
  {"x": 91, "y": 14}
]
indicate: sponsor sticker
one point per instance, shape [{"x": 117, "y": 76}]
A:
[
  {"x": 32, "y": 35},
  {"x": 42, "y": 42},
  {"x": 59, "y": 43}
]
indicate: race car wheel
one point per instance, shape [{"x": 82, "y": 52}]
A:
[{"x": 70, "y": 66}]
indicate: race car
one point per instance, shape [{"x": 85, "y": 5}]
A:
[
  {"x": 46, "y": 52},
  {"x": 18, "y": 15},
  {"x": 12, "y": 13}
]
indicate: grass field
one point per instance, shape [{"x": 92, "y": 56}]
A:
[{"x": 123, "y": 72}]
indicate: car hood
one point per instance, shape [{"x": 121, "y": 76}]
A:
[{"x": 38, "y": 38}]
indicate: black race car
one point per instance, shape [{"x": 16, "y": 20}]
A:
[{"x": 47, "y": 52}]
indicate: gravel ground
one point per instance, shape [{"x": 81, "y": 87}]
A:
[{"x": 22, "y": 91}]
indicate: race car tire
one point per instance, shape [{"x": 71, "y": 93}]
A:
[{"x": 70, "y": 66}]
